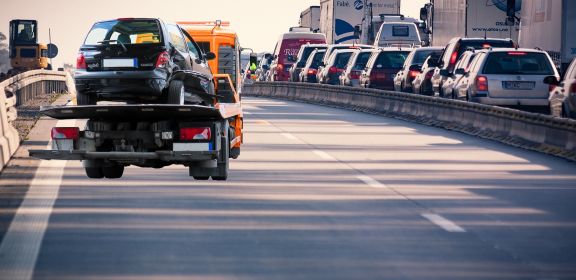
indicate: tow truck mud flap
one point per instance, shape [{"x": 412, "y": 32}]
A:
[{"x": 218, "y": 169}]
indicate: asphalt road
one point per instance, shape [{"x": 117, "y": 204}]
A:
[{"x": 318, "y": 193}]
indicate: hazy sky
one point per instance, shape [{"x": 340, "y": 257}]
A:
[{"x": 258, "y": 22}]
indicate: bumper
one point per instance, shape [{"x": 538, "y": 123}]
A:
[
  {"x": 512, "y": 101},
  {"x": 168, "y": 156},
  {"x": 122, "y": 84}
]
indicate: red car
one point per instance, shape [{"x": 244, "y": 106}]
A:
[{"x": 382, "y": 68}]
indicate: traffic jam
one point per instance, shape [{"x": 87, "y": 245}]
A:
[{"x": 503, "y": 66}]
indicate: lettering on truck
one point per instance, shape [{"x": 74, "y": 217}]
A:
[{"x": 342, "y": 4}]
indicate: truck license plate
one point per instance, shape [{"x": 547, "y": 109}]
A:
[
  {"x": 120, "y": 63},
  {"x": 518, "y": 85}
]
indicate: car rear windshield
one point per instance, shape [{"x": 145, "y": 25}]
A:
[
  {"x": 137, "y": 31},
  {"x": 391, "y": 59},
  {"x": 362, "y": 60},
  {"x": 306, "y": 53},
  {"x": 342, "y": 60},
  {"x": 318, "y": 56},
  {"x": 518, "y": 63},
  {"x": 420, "y": 56}
]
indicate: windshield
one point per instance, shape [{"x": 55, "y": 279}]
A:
[
  {"x": 342, "y": 59},
  {"x": 391, "y": 59},
  {"x": 420, "y": 56},
  {"x": 515, "y": 63},
  {"x": 125, "y": 32}
]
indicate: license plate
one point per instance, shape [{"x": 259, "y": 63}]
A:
[
  {"x": 518, "y": 85},
  {"x": 191, "y": 147},
  {"x": 120, "y": 63}
]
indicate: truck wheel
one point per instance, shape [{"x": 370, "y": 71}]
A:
[
  {"x": 113, "y": 172},
  {"x": 175, "y": 93},
  {"x": 85, "y": 99},
  {"x": 201, "y": 178},
  {"x": 94, "y": 172},
  {"x": 224, "y": 156}
]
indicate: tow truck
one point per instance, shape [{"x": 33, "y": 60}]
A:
[{"x": 199, "y": 137}]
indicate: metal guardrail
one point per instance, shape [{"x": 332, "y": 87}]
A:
[
  {"x": 18, "y": 90},
  {"x": 543, "y": 133}
]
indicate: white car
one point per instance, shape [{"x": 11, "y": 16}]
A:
[{"x": 509, "y": 77}]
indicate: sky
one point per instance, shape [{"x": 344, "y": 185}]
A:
[{"x": 259, "y": 23}]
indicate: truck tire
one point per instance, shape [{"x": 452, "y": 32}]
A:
[
  {"x": 113, "y": 172},
  {"x": 94, "y": 172},
  {"x": 85, "y": 99},
  {"x": 224, "y": 156},
  {"x": 201, "y": 178},
  {"x": 227, "y": 62},
  {"x": 175, "y": 93}
]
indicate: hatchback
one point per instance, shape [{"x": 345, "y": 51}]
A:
[
  {"x": 357, "y": 63},
  {"x": 563, "y": 96},
  {"x": 336, "y": 64},
  {"x": 412, "y": 67},
  {"x": 382, "y": 68},
  {"x": 310, "y": 70}
]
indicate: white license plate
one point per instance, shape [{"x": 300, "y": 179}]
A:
[
  {"x": 63, "y": 144},
  {"x": 518, "y": 85},
  {"x": 191, "y": 147},
  {"x": 120, "y": 63}
]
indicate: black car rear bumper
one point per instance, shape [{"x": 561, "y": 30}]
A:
[{"x": 116, "y": 85}]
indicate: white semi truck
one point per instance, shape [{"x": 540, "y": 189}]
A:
[
  {"x": 447, "y": 19},
  {"x": 310, "y": 18},
  {"x": 551, "y": 26},
  {"x": 338, "y": 18}
]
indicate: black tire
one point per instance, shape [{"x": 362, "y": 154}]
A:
[
  {"x": 175, "y": 93},
  {"x": 224, "y": 156},
  {"x": 227, "y": 62},
  {"x": 86, "y": 99},
  {"x": 201, "y": 178},
  {"x": 113, "y": 172},
  {"x": 94, "y": 172}
]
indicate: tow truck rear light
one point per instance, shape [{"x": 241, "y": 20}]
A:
[
  {"x": 195, "y": 133},
  {"x": 162, "y": 60},
  {"x": 481, "y": 83},
  {"x": 65, "y": 133},
  {"x": 81, "y": 61}
]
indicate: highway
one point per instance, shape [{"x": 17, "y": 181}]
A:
[{"x": 318, "y": 193}]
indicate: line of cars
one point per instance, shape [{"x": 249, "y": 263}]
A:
[{"x": 483, "y": 70}]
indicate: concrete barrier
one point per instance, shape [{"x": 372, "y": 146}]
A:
[
  {"x": 18, "y": 89},
  {"x": 532, "y": 131}
]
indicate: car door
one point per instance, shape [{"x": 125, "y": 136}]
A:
[
  {"x": 197, "y": 57},
  {"x": 179, "y": 51}
]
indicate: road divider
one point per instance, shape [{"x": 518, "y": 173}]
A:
[{"x": 543, "y": 133}]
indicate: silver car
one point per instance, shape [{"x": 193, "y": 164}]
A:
[{"x": 509, "y": 77}]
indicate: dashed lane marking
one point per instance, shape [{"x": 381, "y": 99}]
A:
[
  {"x": 444, "y": 223},
  {"x": 371, "y": 182},
  {"x": 324, "y": 155},
  {"x": 289, "y": 136}
]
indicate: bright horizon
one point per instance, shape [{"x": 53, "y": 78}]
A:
[{"x": 258, "y": 25}]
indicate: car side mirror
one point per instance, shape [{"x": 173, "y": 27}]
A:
[
  {"x": 209, "y": 56},
  {"x": 551, "y": 80},
  {"x": 460, "y": 71},
  {"x": 415, "y": 67},
  {"x": 444, "y": 72}
]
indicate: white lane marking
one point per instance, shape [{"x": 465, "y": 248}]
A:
[
  {"x": 371, "y": 182},
  {"x": 21, "y": 244},
  {"x": 442, "y": 222},
  {"x": 289, "y": 136},
  {"x": 324, "y": 155},
  {"x": 246, "y": 113}
]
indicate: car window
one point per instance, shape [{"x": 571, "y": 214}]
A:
[
  {"x": 342, "y": 59},
  {"x": 194, "y": 49},
  {"x": 317, "y": 58},
  {"x": 124, "y": 31},
  {"x": 362, "y": 60},
  {"x": 518, "y": 63},
  {"x": 476, "y": 62},
  {"x": 421, "y": 56},
  {"x": 305, "y": 54},
  {"x": 204, "y": 46},
  {"x": 176, "y": 38},
  {"x": 391, "y": 59}
]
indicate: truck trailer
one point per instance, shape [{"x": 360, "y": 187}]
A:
[
  {"x": 551, "y": 26},
  {"x": 447, "y": 19},
  {"x": 310, "y": 18},
  {"x": 339, "y": 18}
]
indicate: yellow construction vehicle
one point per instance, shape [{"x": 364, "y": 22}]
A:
[{"x": 25, "y": 51}]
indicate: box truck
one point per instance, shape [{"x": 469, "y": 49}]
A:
[
  {"x": 310, "y": 18},
  {"x": 338, "y": 18},
  {"x": 447, "y": 19},
  {"x": 551, "y": 26}
]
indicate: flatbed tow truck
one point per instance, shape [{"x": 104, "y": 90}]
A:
[{"x": 151, "y": 135}]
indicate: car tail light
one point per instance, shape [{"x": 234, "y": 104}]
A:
[
  {"x": 429, "y": 75},
  {"x": 453, "y": 57},
  {"x": 65, "y": 133},
  {"x": 516, "y": 53},
  {"x": 81, "y": 61},
  {"x": 481, "y": 83},
  {"x": 195, "y": 133},
  {"x": 333, "y": 70},
  {"x": 486, "y": 46},
  {"x": 355, "y": 75},
  {"x": 312, "y": 71},
  {"x": 162, "y": 60},
  {"x": 280, "y": 68},
  {"x": 413, "y": 74},
  {"x": 573, "y": 88}
]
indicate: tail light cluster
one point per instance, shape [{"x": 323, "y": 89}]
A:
[
  {"x": 355, "y": 74},
  {"x": 412, "y": 74},
  {"x": 312, "y": 71},
  {"x": 573, "y": 88},
  {"x": 429, "y": 75},
  {"x": 482, "y": 83},
  {"x": 162, "y": 60},
  {"x": 81, "y": 61},
  {"x": 279, "y": 68},
  {"x": 65, "y": 133},
  {"x": 195, "y": 134}
]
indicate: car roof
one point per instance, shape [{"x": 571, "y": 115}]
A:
[
  {"x": 479, "y": 39},
  {"x": 511, "y": 50},
  {"x": 390, "y": 49}
]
